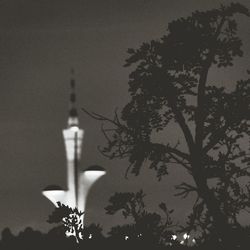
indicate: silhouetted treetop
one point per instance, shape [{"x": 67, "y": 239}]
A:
[
  {"x": 147, "y": 226},
  {"x": 200, "y": 39},
  {"x": 70, "y": 218},
  {"x": 131, "y": 204}
]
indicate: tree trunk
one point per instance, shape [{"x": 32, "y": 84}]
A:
[{"x": 223, "y": 229}]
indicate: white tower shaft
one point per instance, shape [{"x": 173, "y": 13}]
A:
[{"x": 73, "y": 143}]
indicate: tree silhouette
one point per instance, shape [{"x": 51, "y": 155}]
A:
[
  {"x": 169, "y": 84},
  {"x": 146, "y": 226},
  {"x": 131, "y": 204},
  {"x": 70, "y": 218},
  {"x": 70, "y": 222}
]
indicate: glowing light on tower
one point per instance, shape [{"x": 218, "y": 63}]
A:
[{"x": 78, "y": 182}]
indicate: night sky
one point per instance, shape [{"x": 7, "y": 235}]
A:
[{"x": 40, "y": 41}]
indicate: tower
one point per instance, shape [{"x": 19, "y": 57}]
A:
[{"x": 78, "y": 182}]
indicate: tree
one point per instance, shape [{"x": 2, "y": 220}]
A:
[
  {"x": 169, "y": 84},
  {"x": 70, "y": 222},
  {"x": 70, "y": 218},
  {"x": 146, "y": 226}
]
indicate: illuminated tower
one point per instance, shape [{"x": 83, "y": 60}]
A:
[{"x": 78, "y": 182}]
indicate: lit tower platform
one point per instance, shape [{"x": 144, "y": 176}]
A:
[{"x": 78, "y": 182}]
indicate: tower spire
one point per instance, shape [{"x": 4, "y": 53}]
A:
[{"x": 73, "y": 115}]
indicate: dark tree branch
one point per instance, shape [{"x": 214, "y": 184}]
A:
[
  {"x": 182, "y": 123},
  {"x": 185, "y": 189}
]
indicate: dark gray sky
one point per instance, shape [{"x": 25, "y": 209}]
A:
[{"x": 40, "y": 40}]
